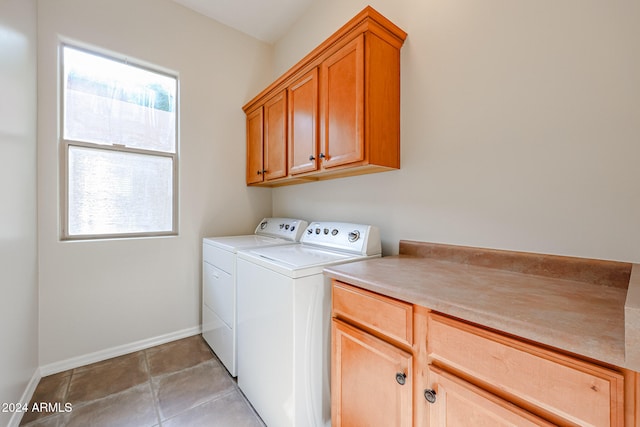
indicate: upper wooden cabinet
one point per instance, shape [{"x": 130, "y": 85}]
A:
[
  {"x": 343, "y": 107},
  {"x": 303, "y": 123},
  {"x": 266, "y": 140},
  {"x": 254, "y": 145},
  {"x": 275, "y": 134}
]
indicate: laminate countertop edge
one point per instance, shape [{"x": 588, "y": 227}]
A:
[
  {"x": 632, "y": 319},
  {"x": 591, "y": 320}
]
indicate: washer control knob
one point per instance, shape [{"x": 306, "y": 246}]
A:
[
  {"x": 309, "y": 231},
  {"x": 281, "y": 226},
  {"x": 263, "y": 224},
  {"x": 354, "y": 235},
  {"x": 326, "y": 231},
  {"x": 317, "y": 230},
  {"x": 334, "y": 231},
  {"x": 293, "y": 227}
]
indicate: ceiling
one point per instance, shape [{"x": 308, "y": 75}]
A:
[{"x": 266, "y": 20}]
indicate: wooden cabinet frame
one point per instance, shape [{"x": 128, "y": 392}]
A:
[
  {"x": 342, "y": 105},
  {"x": 491, "y": 376},
  {"x": 255, "y": 144},
  {"x": 381, "y": 400},
  {"x": 549, "y": 384},
  {"x": 303, "y": 123},
  {"x": 275, "y": 137},
  {"x": 353, "y": 101}
]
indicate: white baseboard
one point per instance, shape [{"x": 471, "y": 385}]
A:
[
  {"x": 98, "y": 356},
  {"x": 26, "y": 398}
]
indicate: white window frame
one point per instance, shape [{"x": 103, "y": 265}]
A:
[{"x": 65, "y": 144}]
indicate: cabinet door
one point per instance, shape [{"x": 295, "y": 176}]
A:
[
  {"x": 254, "y": 146},
  {"x": 342, "y": 108},
  {"x": 303, "y": 123},
  {"x": 461, "y": 404},
  {"x": 371, "y": 380},
  {"x": 275, "y": 137},
  {"x": 558, "y": 387}
]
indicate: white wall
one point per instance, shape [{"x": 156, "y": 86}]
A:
[
  {"x": 520, "y": 127},
  {"x": 18, "y": 250},
  {"x": 104, "y": 294}
]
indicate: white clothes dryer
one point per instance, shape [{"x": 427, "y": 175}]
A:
[
  {"x": 219, "y": 293},
  {"x": 284, "y": 338}
]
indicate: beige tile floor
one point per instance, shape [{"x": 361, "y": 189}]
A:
[{"x": 179, "y": 384}]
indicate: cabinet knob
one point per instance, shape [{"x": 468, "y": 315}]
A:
[
  {"x": 311, "y": 157},
  {"x": 401, "y": 378},
  {"x": 259, "y": 172},
  {"x": 322, "y": 156},
  {"x": 430, "y": 395}
]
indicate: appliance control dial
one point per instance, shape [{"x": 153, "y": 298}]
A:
[
  {"x": 334, "y": 232},
  {"x": 293, "y": 227},
  {"x": 309, "y": 230},
  {"x": 326, "y": 231},
  {"x": 354, "y": 235},
  {"x": 317, "y": 230},
  {"x": 263, "y": 224}
]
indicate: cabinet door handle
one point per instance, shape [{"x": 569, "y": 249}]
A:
[
  {"x": 322, "y": 156},
  {"x": 311, "y": 157},
  {"x": 401, "y": 378},
  {"x": 259, "y": 172},
  {"x": 430, "y": 395}
]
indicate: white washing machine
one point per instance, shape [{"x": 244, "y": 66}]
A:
[
  {"x": 219, "y": 293},
  {"x": 284, "y": 304}
]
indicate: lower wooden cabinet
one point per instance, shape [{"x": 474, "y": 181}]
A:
[
  {"x": 560, "y": 388},
  {"x": 457, "y": 403},
  {"x": 398, "y": 364},
  {"x": 372, "y": 380}
]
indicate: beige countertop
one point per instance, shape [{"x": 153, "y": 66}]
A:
[{"x": 572, "y": 315}]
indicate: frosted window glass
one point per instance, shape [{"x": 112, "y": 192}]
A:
[
  {"x": 119, "y": 138},
  {"x": 113, "y": 192},
  {"x": 111, "y": 102}
]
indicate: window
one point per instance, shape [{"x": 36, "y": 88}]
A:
[{"x": 119, "y": 148}]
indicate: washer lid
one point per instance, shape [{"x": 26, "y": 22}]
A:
[
  {"x": 296, "y": 260},
  {"x": 300, "y": 256},
  {"x": 295, "y": 257},
  {"x": 235, "y": 243}
]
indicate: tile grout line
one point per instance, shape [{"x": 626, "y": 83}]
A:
[
  {"x": 212, "y": 398},
  {"x": 215, "y": 397},
  {"x": 67, "y": 417},
  {"x": 52, "y": 415},
  {"x": 249, "y": 405},
  {"x": 154, "y": 394},
  {"x": 153, "y": 385}
]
